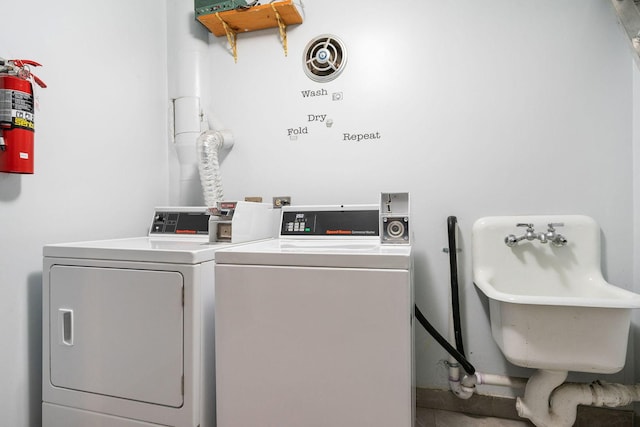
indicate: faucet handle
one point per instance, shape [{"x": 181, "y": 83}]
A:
[
  {"x": 522, "y": 224},
  {"x": 552, "y": 225}
]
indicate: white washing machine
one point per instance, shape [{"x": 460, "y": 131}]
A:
[
  {"x": 315, "y": 328},
  {"x": 128, "y": 327}
]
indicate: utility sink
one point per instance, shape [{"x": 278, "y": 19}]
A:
[{"x": 550, "y": 307}]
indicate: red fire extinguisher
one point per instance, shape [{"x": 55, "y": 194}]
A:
[{"x": 17, "y": 115}]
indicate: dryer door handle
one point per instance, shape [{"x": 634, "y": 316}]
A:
[{"x": 65, "y": 322}]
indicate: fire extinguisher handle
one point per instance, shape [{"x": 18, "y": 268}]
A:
[
  {"x": 23, "y": 62},
  {"x": 37, "y": 80}
]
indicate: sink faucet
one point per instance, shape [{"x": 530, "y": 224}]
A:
[
  {"x": 556, "y": 239},
  {"x": 511, "y": 240}
]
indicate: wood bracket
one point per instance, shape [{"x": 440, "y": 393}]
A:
[
  {"x": 282, "y": 27},
  {"x": 232, "y": 37}
]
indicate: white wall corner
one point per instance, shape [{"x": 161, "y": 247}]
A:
[{"x": 636, "y": 217}]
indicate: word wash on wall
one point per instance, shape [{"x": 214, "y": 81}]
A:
[{"x": 315, "y": 121}]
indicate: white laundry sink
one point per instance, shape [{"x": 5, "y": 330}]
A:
[{"x": 550, "y": 306}]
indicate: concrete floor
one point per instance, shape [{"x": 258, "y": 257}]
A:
[{"x": 440, "y": 418}]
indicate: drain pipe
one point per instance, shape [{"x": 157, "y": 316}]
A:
[
  {"x": 464, "y": 387},
  {"x": 566, "y": 398},
  {"x": 535, "y": 403},
  {"x": 547, "y": 402}
]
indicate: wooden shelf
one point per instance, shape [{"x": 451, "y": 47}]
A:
[
  {"x": 252, "y": 19},
  {"x": 231, "y": 22}
]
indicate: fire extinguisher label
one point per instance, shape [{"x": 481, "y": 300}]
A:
[{"x": 16, "y": 109}]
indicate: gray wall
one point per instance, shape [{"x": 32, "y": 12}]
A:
[{"x": 100, "y": 156}]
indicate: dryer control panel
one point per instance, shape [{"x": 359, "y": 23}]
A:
[
  {"x": 180, "y": 221},
  {"x": 341, "y": 221}
]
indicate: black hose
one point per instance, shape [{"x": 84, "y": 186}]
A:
[
  {"x": 457, "y": 353},
  {"x": 453, "y": 267},
  {"x": 468, "y": 367}
]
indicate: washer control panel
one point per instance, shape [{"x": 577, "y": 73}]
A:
[{"x": 343, "y": 221}]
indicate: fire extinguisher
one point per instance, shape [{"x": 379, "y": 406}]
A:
[{"x": 17, "y": 115}]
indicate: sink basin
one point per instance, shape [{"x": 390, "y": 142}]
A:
[{"x": 550, "y": 307}]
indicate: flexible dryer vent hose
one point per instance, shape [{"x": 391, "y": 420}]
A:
[{"x": 208, "y": 145}]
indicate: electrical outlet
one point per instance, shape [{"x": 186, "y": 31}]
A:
[
  {"x": 224, "y": 231},
  {"x": 281, "y": 201}
]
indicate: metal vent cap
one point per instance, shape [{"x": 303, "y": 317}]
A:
[{"x": 324, "y": 58}]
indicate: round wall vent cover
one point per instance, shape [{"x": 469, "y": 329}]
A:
[{"x": 324, "y": 58}]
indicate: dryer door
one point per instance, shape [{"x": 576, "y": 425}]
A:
[{"x": 117, "y": 332}]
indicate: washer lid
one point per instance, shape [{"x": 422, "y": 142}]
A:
[
  {"x": 146, "y": 249},
  {"x": 318, "y": 253}
]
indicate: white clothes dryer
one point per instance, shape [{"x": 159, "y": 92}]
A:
[
  {"x": 315, "y": 328},
  {"x": 128, "y": 327}
]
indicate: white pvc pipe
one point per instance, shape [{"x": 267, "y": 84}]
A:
[
  {"x": 563, "y": 407},
  {"x": 187, "y": 128},
  {"x": 547, "y": 402},
  {"x": 613, "y": 395},
  {"x": 455, "y": 384},
  {"x": 535, "y": 403},
  {"x": 500, "y": 380},
  {"x": 566, "y": 398},
  {"x": 189, "y": 181},
  {"x": 187, "y": 45}
]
